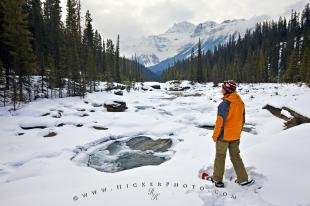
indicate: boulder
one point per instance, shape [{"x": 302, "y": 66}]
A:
[
  {"x": 179, "y": 88},
  {"x": 155, "y": 86},
  {"x": 113, "y": 86},
  {"x": 145, "y": 88},
  {"x": 115, "y": 106},
  {"x": 118, "y": 92}
]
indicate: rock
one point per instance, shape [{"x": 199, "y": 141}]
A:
[
  {"x": 144, "y": 107},
  {"x": 79, "y": 125},
  {"x": 60, "y": 125},
  {"x": 50, "y": 134},
  {"x": 97, "y": 127},
  {"x": 56, "y": 114},
  {"x": 125, "y": 154},
  {"x": 113, "y": 86},
  {"x": 144, "y": 143},
  {"x": 82, "y": 114},
  {"x": 155, "y": 86},
  {"x": 95, "y": 104},
  {"x": 215, "y": 84},
  {"x": 119, "y": 92},
  {"x": 115, "y": 106},
  {"x": 132, "y": 160},
  {"x": 145, "y": 88},
  {"x": 45, "y": 114},
  {"x": 205, "y": 126},
  {"x": 177, "y": 88},
  {"x": 175, "y": 82},
  {"x": 34, "y": 127},
  {"x": 40, "y": 96}
]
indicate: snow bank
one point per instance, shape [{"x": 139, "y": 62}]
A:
[{"x": 35, "y": 170}]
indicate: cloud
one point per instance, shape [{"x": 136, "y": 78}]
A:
[{"x": 132, "y": 18}]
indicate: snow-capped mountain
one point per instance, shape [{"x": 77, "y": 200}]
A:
[
  {"x": 153, "y": 49},
  {"x": 159, "y": 51}
]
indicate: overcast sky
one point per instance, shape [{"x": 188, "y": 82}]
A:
[{"x": 130, "y": 18}]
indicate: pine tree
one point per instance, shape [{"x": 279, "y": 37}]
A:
[
  {"x": 89, "y": 52},
  {"x": 54, "y": 44},
  {"x": 305, "y": 66},
  {"x": 110, "y": 52},
  {"x": 16, "y": 51},
  {"x": 192, "y": 66},
  {"x": 199, "y": 77},
  {"x": 36, "y": 26},
  {"x": 104, "y": 63},
  {"x": 3, "y": 89},
  {"x": 292, "y": 67},
  {"x": 117, "y": 69},
  {"x": 72, "y": 49}
]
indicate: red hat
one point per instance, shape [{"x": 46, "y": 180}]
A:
[{"x": 229, "y": 86}]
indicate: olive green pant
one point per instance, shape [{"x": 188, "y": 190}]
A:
[{"x": 219, "y": 163}]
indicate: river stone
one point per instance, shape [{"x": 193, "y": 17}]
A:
[
  {"x": 132, "y": 160},
  {"x": 144, "y": 143}
]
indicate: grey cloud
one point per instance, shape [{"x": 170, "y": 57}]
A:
[{"x": 132, "y": 18}]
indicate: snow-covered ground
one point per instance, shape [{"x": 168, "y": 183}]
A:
[{"x": 37, "y": 170}]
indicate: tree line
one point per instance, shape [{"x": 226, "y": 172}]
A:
[
  {"x": 274, "y": 51},
  {"x": 40, "y": 55}
]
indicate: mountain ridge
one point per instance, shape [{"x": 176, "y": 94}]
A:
[{"x": 157, "y": 52}]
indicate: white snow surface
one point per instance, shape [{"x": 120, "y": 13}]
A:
[{"x": 37, "y": 170}]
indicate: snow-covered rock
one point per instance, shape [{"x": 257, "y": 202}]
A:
[{"x": 115, "y": 105}]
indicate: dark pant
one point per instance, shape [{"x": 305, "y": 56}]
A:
[{"x": 219, "y": 163}]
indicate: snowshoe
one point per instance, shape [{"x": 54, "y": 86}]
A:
[
  {"x": 245, "y": 183},
  {"x": 219, "y": 184}
]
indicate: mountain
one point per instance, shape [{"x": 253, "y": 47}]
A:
[
  {"x": 159, "y": 51},
  {"x": 153, "y": 49}
]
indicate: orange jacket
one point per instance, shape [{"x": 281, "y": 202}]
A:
[{"x": 230, "y": 118}]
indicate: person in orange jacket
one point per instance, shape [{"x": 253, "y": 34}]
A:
[{"x": 226, "y": 135}]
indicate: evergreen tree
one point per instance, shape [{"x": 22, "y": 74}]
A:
[
  {"x": 192, "y": 66},
  {"x": 16, "y": 52},
  {"x": 72, "y": 49},
  {"x": 110, "y": 60},
  {"x": 54, "y": 42},
  {"x": 117, "y": 68},
  {"x": 199, "y": 77},
  {"x": 36, "y": 26},
  {"x": 272, "y": 51},
  {"x": 89, "y": 53}
]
